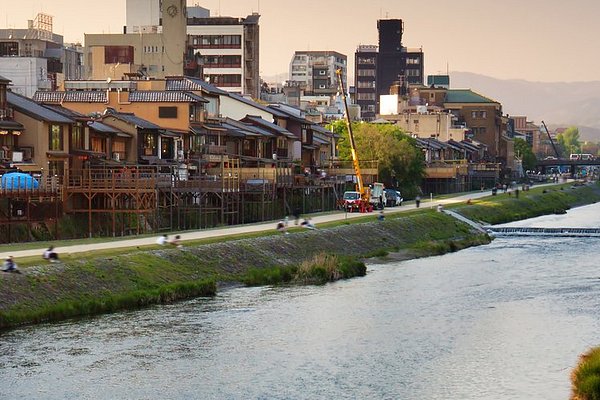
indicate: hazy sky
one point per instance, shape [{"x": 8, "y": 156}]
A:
[{"x": 536, "y": 40}]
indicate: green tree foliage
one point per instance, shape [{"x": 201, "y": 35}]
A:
[
  {"x": 569, "y": 140},
  {"x": 400, "y": 162},
  {"x": 523, "y": 150}
]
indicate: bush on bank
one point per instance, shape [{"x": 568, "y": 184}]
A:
[{"x": 586, "y": 377}]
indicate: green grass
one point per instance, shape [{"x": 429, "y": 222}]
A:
[{"x": 586, "y": 376}]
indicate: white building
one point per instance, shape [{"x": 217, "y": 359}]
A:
[{"x": 317, "y": 71}]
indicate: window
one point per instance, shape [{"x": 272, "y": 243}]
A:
[
  {"x": 148, "y": 143},
  {"x": 55, "y": 139},
  {"x": 167, "y": 112},
  {"x": 482, "y": 114},
  {"x": 77, "y": 137},
  {"x": 98, "y": 144},
  {"x": 220, "y": 41},
  {"x": 473, "y": 114},
  {"x": 118, "y": 54},
  {"x": 365, "y": 96},
  {"x": 322, "y": 72},
  {"x": 366, "y": 72}
]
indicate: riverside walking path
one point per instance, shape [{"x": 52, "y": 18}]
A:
[{"x": 64, "y": 248}]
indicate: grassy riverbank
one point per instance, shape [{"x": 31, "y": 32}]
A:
[
  {"x": 94, "y": 283},
  {"x": 586, "y": 377}
]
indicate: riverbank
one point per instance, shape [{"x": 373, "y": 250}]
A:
[{"x": 91, "y": 284}]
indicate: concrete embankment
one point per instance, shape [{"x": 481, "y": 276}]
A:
[{"x": 91, "y": 284}]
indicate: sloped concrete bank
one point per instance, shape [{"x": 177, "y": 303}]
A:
[
  {"x": 87, "y": 285},
  {"x": 94, "y": 285}
]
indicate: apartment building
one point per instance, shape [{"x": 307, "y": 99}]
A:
[
  {"x": 365, "y": 80},
  {"x": 166, "y": 38},
  {"x": 316, "y": 71},
  {"x": 36, "y": 58}
]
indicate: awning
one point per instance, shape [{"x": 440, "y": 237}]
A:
[
  {"x": 170, "y": 134},
  {"x": 124, "y": 135},
  {"x": 11, "y": 125},
  {"x": 308, "y": 147},
  {"x": 27, "y": 167}
]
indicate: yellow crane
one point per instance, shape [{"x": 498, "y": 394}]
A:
[{"x": 363, "y": 203}]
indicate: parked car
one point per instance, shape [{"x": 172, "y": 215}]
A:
[{"x": 393, "y": 198}]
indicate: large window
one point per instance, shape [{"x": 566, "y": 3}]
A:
[
  {"x": 229, "y": 61},
  {"x": 118, "y": 54},
  {"x": 219, "y": 41},
  {"x": 55, "y": 139},
  {"x": 226, "y": 80}
]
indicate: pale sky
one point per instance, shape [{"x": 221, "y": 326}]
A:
[{"x": 535, "y": 40}]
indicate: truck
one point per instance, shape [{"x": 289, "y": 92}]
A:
[{"x": 361, "y": 198}]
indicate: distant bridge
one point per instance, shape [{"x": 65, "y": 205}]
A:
[
  {"x": 572, "y": 164},
  {"x": 523, "y": 231}
]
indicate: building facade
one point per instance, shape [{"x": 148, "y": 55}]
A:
[
  {"x": 365, "y": 80},
  {"x": 386, "y": 66},
  {"x": 36, "y": 58},
  {"x": 316, "y": 71}
]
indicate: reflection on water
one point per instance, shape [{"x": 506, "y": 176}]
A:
[{"x": 503, "y": 321}]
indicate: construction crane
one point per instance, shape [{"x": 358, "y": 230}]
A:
[
  {"x": 364, "y": 202},
  {"x": 551, "y": 141}
]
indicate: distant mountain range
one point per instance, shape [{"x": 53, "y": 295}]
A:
[{"x": 556, "y": 103}]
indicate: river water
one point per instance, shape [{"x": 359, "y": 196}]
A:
[{"x": 502, "y": 321}]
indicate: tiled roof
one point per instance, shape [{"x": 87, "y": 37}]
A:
[
  {"x": 71, "y": 96},
  {"x": 256, "y": 105},
  {"x": 466, "y": 96},
  {"x": 34, "y": 110},
  {"x": 270, "y": 125},
  {"x": 100, "y": 127},
  {"x": 189, "y": 83},
  {"x": 132, "y": 119},
  {"x": 320, "y": 129},
  {"x": 48, "y": 97},
  {"x": 3, "y": 79},
  {"x": 164, "y": 96},
  {"x": 286, "y": 114},
  {"x": 65, "y": 111}
]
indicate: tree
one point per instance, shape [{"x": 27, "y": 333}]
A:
[
  {"x": 525, "y": 153},
  {"x": 569, "y": 140},
  {"x": 400, "y": 162}
]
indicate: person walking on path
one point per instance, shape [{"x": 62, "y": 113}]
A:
[{"x": 418, "y": 201}]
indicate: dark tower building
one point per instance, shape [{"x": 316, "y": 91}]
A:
[
  {"x": 390, "y": 64},
  {"x": 378, "y": 69}
]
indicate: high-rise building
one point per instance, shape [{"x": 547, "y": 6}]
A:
[
  {"x": 365, "y": 80},
  {"x": 390, "y": 65}
]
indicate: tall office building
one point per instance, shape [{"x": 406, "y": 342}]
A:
[{"x": 394, "y": 65}]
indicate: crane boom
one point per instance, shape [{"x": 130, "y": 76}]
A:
[
  {"x": 359, "y": 181},
  {"x": 551, "y": 141}
]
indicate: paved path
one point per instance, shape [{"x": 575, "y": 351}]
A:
[{"x": 237, "y": 229}]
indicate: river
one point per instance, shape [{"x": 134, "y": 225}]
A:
[{"x": 502, "y": 321}]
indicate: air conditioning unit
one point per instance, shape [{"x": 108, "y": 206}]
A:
[
  {"x": 17, "y": 156},
  {"x": 116, "y": 156}
]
